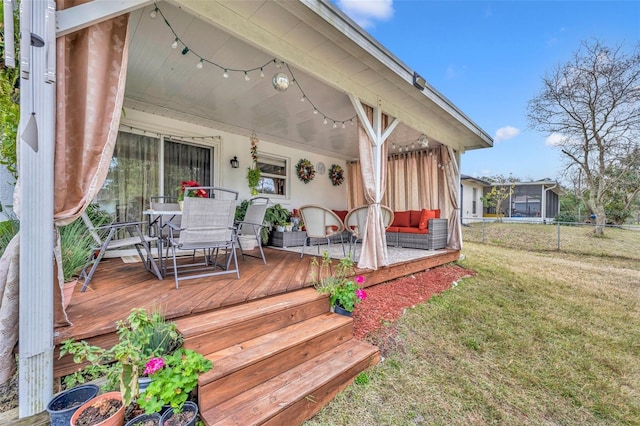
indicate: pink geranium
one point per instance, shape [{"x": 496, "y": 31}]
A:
[
  {"x": 153, "y": 365},
  {"x": 360, "y": 279},
  {"x": 361, "y": 294}
]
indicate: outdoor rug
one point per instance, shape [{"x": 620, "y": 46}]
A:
[{"x": 396, "y": 254}]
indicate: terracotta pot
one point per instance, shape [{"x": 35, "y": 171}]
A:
[
  {"x": 117, "y": 419},
  {"x": 67, "y": 291}
]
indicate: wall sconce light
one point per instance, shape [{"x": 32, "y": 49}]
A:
[
  {"x": 418, "y": 81},
  {"x": 234, "y": 162}
]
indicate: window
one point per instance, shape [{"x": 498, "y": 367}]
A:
[
  {"x": 474, "y": 200},
  {"x": 274, "y": 177}
]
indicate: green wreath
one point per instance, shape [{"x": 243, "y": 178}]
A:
[
  {"x": 336, "y": 174},
  {"x": 305, "y": 170}
]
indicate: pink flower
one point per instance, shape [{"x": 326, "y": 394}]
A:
[
  {"x": 360, "y": 279},
  {"x": 153, "y": 365},
  {"x": 361, "y": 294}
]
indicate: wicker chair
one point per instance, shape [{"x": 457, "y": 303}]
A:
[
  {"x": 356, "y": 221},
  {"x": 321, "y": 223}
]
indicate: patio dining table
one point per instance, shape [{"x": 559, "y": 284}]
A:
[{"x": 158, "y": 221}]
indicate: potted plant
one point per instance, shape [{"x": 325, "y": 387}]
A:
[
  {"x": 140, "y": 337},
  {"x": 275, "y": 216},
  {"x": 152, "y": 419},
  {"x": 344, "y": 293},
  {"x": 76, "y": 244},
  {"x": 184, "y": 191},
  {"x": 106, "y": 409},
  {"x": 253, "y": 179},
  {"x": 173, "y": 377}
]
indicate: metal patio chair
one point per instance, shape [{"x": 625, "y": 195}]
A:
[
  {"x": 251, "y": 225},
  {"x": 207, "y": 225},
  {"x": 105, "y": 242}
]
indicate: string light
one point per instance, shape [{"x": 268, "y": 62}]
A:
[
  {"x": 226, "y": 70},
  {"x": 421, "y": 143}
]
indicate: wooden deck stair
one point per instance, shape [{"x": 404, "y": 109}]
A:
[{"x": 277, "y": 361}]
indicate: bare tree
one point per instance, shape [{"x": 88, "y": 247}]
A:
[{"x": 591, "y": 105}]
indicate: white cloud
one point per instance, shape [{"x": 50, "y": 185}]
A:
[
  {"x": 454, "y": 72},
  {"x": 506, "y": 133},
  {"x": 365, "y": 12},
  {"x": 555, "y": 139}
]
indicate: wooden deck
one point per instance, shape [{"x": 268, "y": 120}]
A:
[{"x": 118, "y": 287}]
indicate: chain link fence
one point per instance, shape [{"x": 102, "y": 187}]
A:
[{"x": 621, "y": 241}]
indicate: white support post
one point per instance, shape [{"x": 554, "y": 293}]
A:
[{"x": 36, "y": 148}]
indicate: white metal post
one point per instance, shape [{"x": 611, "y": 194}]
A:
[{"x": 36, "y": 149}]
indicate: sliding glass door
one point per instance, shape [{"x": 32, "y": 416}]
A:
[{"x": 135, "y": 173}]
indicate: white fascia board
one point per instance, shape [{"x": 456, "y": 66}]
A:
[{"x": 84, "y": 15}]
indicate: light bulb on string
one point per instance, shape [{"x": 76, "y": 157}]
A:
[
  {"x": 325, "y": 121},
  {"x": 225, "y": 74},
  {"x": 246, "y": 76},
  {"x": 343, "y": 125},
  {"x": 174, "y": 45},
  {"x": 261, "y": 73},
  {"x": 315, "y": 111},
  {"x": 200, "y": 64},
  {"x": 302, "y": 98},
  {"x": 153, "y": 13},
  {"x": 335, "y": 125}
]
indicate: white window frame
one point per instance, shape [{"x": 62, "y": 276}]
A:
[{"x": 286, "y": 177}]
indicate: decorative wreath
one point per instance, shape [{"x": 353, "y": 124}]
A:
[
  {"x": 336, "y": 174},
  {"x": 305, "y": 170}
]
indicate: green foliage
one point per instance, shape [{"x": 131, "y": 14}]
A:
[
  {"x": 171, "y": 384},
  {"x": 253, "y": 179},
  {"x": 9, "y": 107},
  {"x": 341, "y": 290},
  {"x": 8, "y": 229},
  {"x": 140, "y": 337},
  {"x": 362, "y": 378},
  {"x": 241, "y": 210},
  {"x": 75, "y": 244}
]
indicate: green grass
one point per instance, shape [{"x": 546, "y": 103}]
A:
[{"x": 536, "y": 338}]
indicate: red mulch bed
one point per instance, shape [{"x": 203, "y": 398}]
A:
[{"x": 386, "y": 302}]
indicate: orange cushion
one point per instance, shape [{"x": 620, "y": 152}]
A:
[
  {"x": 341, "y": 214},
  {"x": 392, "y": 229},
  {"x": 437, "y": 214},
  {"x": 414, "y": 218},
  {"x": 402, "y": 219},
  {"x": 424, "y": 218}
]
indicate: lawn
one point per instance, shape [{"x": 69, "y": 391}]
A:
[{"x": 536, "y": 338}]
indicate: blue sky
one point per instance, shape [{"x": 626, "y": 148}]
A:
[{"x": 488, "y": 58}]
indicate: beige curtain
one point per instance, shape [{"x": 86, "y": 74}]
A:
[
  {"x": 450, "y": 172},
  {"x": 355, "y": 187},
  {"x": 374, "y": 241},
  {"x": 91, "y": 67}
]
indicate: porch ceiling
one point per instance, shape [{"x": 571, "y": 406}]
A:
[{"x": 326, "y": 63}]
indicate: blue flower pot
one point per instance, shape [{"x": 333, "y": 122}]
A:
[
  {"x": 342, "y": 311},
  {"x": 144, "y": 418},
  {"x": 188, "y": 406},
  {"x": 62, "y": 407}
]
